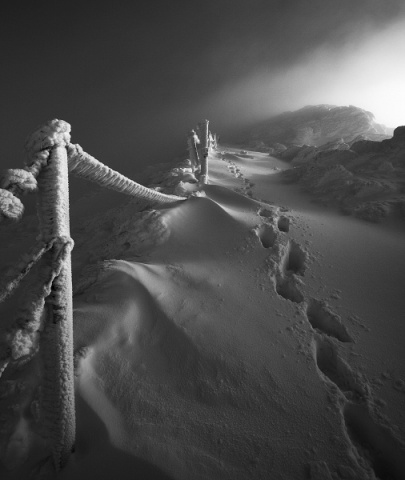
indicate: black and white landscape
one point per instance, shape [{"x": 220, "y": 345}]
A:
[
  {"x": 255, "y": 328},
  {"x": 246, "y": 332}
]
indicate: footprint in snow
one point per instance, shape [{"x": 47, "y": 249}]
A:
[
  {"x": 335, "y": 370},
  {"x": 266, "y": 234},
  {"x": 323, "y": 319},
  {"x": 374, "y": 442}
]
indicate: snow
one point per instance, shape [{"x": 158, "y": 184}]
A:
[
  {"x": 243, "y": 333},
  {"x": 364, "y": 178},
  {"x": 11, "y": 207}
]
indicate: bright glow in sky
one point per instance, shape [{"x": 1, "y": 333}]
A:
[{"x": 368, "y": 73}]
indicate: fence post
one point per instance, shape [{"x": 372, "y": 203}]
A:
[
  {"x": 192, "y": 141},
  {"x": 56, "y": 341},
  {"x": 203, "y": 127},
  {"x": 50, "y": 157}
]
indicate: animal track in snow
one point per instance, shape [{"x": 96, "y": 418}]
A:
[
  {"x": 374, "y": 442},
  {"x": 321, "y": 318},
  {"x": 332, "y": 366}
]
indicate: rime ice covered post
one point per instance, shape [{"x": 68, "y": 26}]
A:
[
  {"x": 14, "y": 183},
  {"x": 213, "y": 141},
  {"x": 56, "y": 341},
  {"x": 45, "y": 317},
  {"x": 192, "y": 142},
  {"x": 204, "y": 139}
]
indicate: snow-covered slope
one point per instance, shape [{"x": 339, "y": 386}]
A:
[
  {"x": 226, "y": 337},
  {"x": 365, "y": 178},
  {"x": 316, "y": 125}
]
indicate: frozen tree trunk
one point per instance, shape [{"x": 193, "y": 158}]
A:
[
  {"x": 57, "y": 337},
  {"x": 192, "y": 141},
  {"x": 86, "y": 166},
  {"x": 203, "y": 127}
]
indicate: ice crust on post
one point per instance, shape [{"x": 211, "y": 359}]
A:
[
  {"x": 192, "y": 142},
  {"x": 56, "y": 340},
  {"x": 204, "y": 148},
  {"x": 44, "y": 320}
]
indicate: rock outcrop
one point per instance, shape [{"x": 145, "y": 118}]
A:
[
  {"x": 365, "y": 178},
  {"x": 316, "y": 125}
]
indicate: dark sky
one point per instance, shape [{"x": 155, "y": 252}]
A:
[{"x": 132, "y": 77}]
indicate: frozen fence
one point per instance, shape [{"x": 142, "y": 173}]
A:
[
  {"x": 44, "y": 323},
  {"x": 199, "y": 143}
]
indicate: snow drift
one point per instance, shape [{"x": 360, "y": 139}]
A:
[{"x": 225, "y": 336}]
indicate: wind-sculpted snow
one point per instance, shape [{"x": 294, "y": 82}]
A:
[
  {"x": 122, "y": 232},
  {"x": 366, "y": 180},
  {"x": 212, "y": 342}
]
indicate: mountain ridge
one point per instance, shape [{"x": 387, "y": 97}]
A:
[{"x": 316, "y": 125}]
